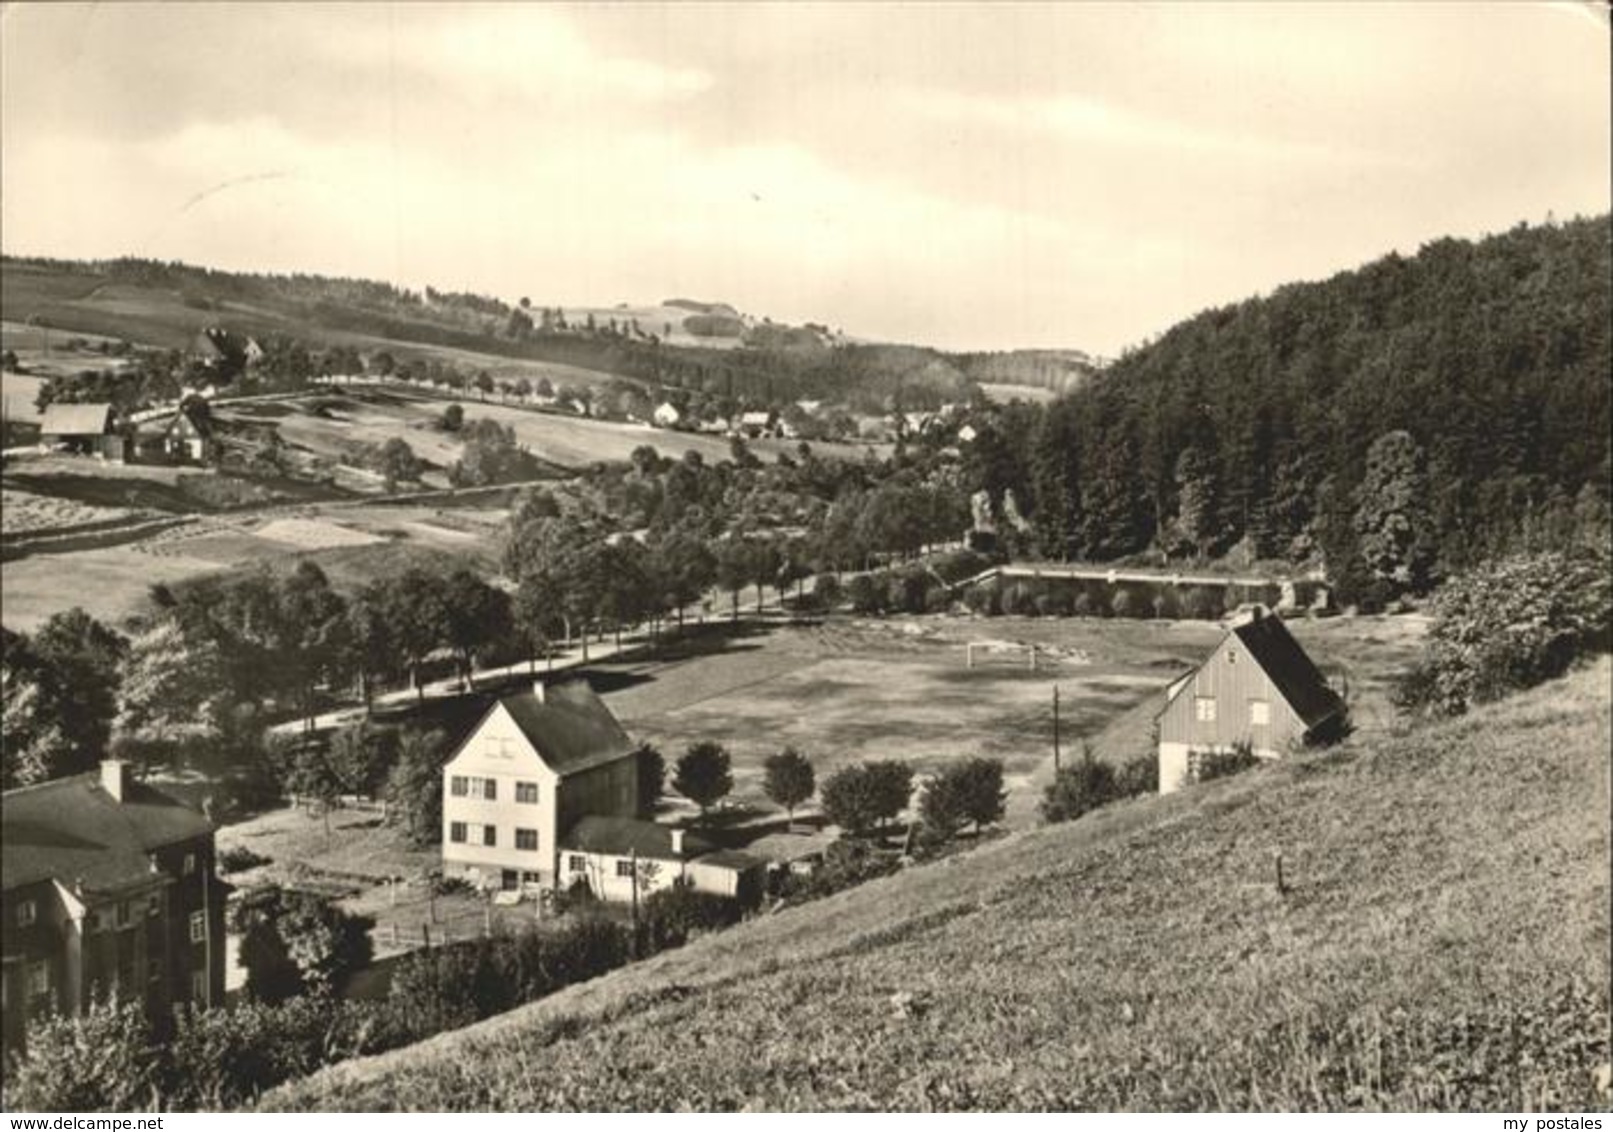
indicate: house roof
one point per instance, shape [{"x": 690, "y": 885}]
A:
[
  {"x": 191, "y": 421},
  {"x": 785, "y": 847},
  {"x": 92, "y": 418},
  {"x": 756, "y": 417},
  {"x": 625, "y": 837},
  {"x": 72, "y": 830},
  {"x": 1270, "y": 645},
  {"x": 1301, "y": 683},
  {"x": 732, "y": 859},
  {"x": 570, "y": 727}
]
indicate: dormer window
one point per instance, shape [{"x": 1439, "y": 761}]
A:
[{"x": 27, "y": 913}]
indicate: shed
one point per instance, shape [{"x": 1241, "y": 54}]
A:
[
  {"x": 86, "y": 428},
  {"x": 731, "y": 873}
]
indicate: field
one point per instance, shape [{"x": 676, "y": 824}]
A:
[
  {"x": 1439, "y": 942},
  {"x": 850, "y": 691}
]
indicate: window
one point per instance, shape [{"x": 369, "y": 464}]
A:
[
  {"x": 526, "y": 793},
  {"x": 190, "y": 863},
  {"x": 154, "y": 904},
  {"x": 198, "y": 927},
  {"x": 1232, "y": 656},
  {"x": 27, "y": 913},
  {"x": 198, "y": 986},
  {"x": 624, "y": 868},
  {"x": 457, "y": 786},
  {"x": 531, "y": 878},
  {"x": 490, "y": 791},
  {"x": 125, "y": 914},
  {"x": 489, "y": 835},
  {"x": 1259, "y": 713},
  {"x": 1205, "y": 706},
  {"x": 577, "y": 863},
  {"x": 526, "y": 839},
  {"x": 39, "y": 978},
  {"x": 456, "y": 832}
]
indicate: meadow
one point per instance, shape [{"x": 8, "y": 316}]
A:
[{"x": 1439, "y": 941}]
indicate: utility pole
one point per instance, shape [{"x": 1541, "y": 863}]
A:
[
  {"x": 1055, "y": 728},
  {"x": 633, "y": 858}
]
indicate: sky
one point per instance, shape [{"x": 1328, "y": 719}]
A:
[{"x": 964, "y": 175}]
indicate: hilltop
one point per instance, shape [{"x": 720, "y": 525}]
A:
[
  {"x": 700, "y": 347},
  {"x": 1441, "y": 942}
]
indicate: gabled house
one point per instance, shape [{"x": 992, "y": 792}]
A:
[
  {"x": 106, "y": 884},
  {"x": 756, "y": 423},
  {"x": 189, "y": 436},
  {"x": 1258, "y": 687},
  {"x": 535, "y": 765},
  {"x": 666, "y": 415}
]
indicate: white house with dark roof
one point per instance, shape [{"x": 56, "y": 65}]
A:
[
  {"x": 1258, "y": 687},
  {"x": 535, "y": 765}
]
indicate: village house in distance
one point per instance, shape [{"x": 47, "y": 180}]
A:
[
  {"x": 1257, "y": 687},
  {"x": 108, "y": 884},
  {"x": 544, "y": 792}
]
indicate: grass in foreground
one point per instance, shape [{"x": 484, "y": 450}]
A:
[{"x": 1442, "y": 943}]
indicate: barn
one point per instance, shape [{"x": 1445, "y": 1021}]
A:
[{"x": 87, "y": 429}]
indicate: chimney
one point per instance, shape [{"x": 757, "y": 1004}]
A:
[
  {"x": 116, "y": 778},
  {"x": 677, "y": 842}
]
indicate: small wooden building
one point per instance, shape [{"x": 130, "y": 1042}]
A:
[
  {"x": 87, "y": 429},
  {"x": 1257, "y": 687},
  {"x": 188, "y": 439}
]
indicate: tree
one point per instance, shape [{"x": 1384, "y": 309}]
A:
[
  {"x": 86, "y": 656},
  {"x": 475, "y": 614},
  {"x": 734, "y": 572},
  {"x": 703, "y": 774},
  {"x": 312, "y": 627},
  {"x": 296, "y": 943},
  {"x": 1079, "y": 788},
  {"x": 358, "y": 757},
  {"x": 172, "y": 693},
  {"x": 788, "y": 780},
  {"x": 414, "y": 787},
  {"x": 484, "y": 380},
  {"x": 650, "y": 766},
  {"x": 397, "y": 463},
  {"x": 453, "y": 418},
  {"x": 862, "y": 797},
  {"x": 970, "y": 791},
  {"x": 417, "y": 612},
  {"x": 372, "y": 648},
  {"x": 1391, "y": 517}
]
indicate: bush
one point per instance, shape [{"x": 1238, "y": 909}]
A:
[
  {"x": 846, "y": 864},
  {"x": 1084, "y": 606},
  {"x": 866, "y": 595},
  {"x": 827, "y": 590},
  {"x": 1224, "y": 764},
  {"x": 672, "y": 916},
  {"x": 99, "y": 1061},
  {"x": 1138, "y": 775},
  {"x": 1122, "y": 603},
  {"x": 238, "y": 858},
  {"x": 1510, "y": 625},
  {"x": 1079, "y": 789}
]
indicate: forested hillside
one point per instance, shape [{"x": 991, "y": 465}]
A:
[{"x": 1398, "y": 422}]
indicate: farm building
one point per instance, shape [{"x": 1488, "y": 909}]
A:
[
  {"x": 87, "y": 429},
  {"x": 189, "y": 436},
  {"x": 604, "y": 853},
  {"x": 536, "y": 764},
  {"x": 666, "y": 415},
  {"x": 1257, "y": 687},
  {"x": 108, "y": 886},
  {"x": 223, "y": 353},
  {"x": 756, "y": 424}
]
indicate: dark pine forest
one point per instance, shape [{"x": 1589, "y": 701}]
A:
[{"x": 1399, "y": 422}]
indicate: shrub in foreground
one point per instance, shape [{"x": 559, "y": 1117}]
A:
[
  {"x": 1078, "y": 789},
  {"x": 1508, "y": 626}
]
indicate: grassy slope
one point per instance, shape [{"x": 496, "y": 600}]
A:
[{"x": 1443, "y": 944}]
